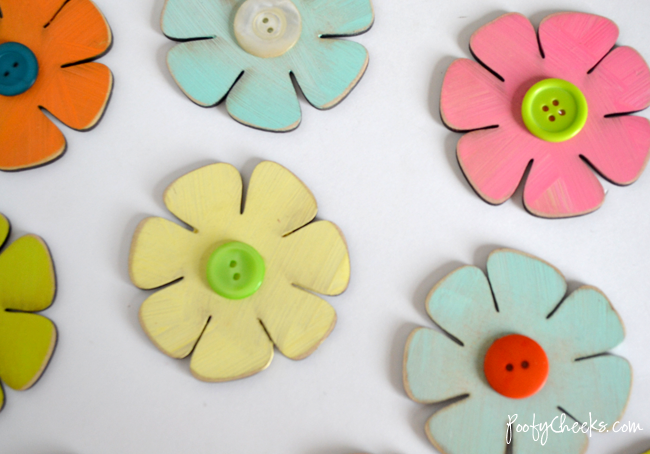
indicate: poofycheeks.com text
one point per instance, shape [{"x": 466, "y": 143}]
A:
[{"x": 540, "y": 430}]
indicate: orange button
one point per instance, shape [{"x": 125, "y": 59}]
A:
[{"x": 516, "y": 366}]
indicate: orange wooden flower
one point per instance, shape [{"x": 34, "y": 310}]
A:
[{"x": 64, "y": 36}]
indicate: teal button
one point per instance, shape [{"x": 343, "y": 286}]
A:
[
  {"x": 18, "y": 69},
  {"x": 235, "y": 270}
]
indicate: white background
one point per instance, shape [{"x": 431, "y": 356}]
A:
[{"x": 381, "y": 166}]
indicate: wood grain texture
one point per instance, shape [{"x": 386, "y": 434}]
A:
[
  {"x": 576, "y": 48},
  {"x": 530, "y": 295},
  {"x": 259, "y": 91},
  {"x": 27, "y": 285},
  {"x": 64, "y": 36},
  {"x": 234, "y": 339}
]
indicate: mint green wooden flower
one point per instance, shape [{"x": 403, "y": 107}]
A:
[
  {"x": 245, "y": 52},
  {"x": 523, "y": 296}
]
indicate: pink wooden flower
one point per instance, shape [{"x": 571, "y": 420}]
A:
[{"x": 487, "y": 101}]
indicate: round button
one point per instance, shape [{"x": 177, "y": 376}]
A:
[
  {"x": 516, "y": 366},
  {"x": 554, "y": 110},
  {"x": 235, "y": 270},
  {"x": 267, "y": 28},
  {"x": 18, "y": 69}
]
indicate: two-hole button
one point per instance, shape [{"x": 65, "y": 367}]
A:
[
  {"x": 235, "y": 270},
  {"x": 516, "y": 366},
  {"x": 18, "y": 69}
]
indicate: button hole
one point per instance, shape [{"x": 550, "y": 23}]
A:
[
  {"x": 556, "y": 102},
  {"x": 509, "y": 367},
  {"x": 545, "y": 108},
  {"x": 237, "y": 276},
  {"x": 270, "y": 30},
  {"x": 15, "y": 65},
  {"x": 524, "y": 364},
  {"x": 233, "y": 264},
  {"x": 265, "y": 20},
  {"x": 551, "y": 118},
  {"x": 7, "y": 74},
  {"x": 561, "y": 112}
]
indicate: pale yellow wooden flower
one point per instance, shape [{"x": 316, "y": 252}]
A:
[{"x": 233, "y": 337}]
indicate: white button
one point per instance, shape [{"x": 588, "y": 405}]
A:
[{"x": 267, "y": 28}]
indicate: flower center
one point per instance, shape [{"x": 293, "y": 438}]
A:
[
  {"x": 554, "y": 110},
  {"x": 18, "y": 69},
  {"x": 516, "y": 366},
  {"x": 267, "y": 28},
  {"x": 235, "y": 270}
]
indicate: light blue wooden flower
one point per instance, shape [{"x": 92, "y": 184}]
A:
[
  {"x": 528, "y": 300},
  {"x": 212, "y": 64}
]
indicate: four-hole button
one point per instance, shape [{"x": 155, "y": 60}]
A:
[{"x": 554, "y": 110}]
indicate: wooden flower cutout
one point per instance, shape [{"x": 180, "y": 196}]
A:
[
  {"x": 241, "y": 281},
  {"x": 27, "y": 285},
  {"x": 555, "y": 103},
  {"x": 245, "y": 52},
  {"x": 46, "y": 48},
  {"x": 514, "y": 345}
]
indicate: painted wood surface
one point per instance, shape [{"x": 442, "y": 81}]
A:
[
  {"x": 64, "y": 36},
  {"x": 561, "y": 181},
  {"x": 232, "y": 339},
  {"x": 520, "y": 295},
  {"x": 259, "y": 91},
  {"x": 27, "y": 285}
]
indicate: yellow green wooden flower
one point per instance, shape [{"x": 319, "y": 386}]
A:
[
  {"x": 27, "y": 285},
  {"x": 242, "y": 282}
]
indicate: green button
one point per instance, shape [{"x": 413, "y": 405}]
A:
[
  {"x": 554, "y": 110},
  {"x": 235, "y": 270}
]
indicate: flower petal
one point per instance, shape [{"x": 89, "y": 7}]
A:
[
  {"x": 158, "y": 253},
  {"x": 5, "y": 227},
  {"x": 576, "y": 42},
  {"x": 264, "y": 98},
  {"x": 78, "y": 95},
  {"x": 621, "y": 82},
  {"x": 27, "y": 137},
  {"x": 208, "y": 197},
  {"x": 175, "y": 317},
  {"x": 277, "y": 202},
  {"x": 28, "y": 15},
  {"x": 562, "y": 185},
  {"x": 472, "y": 98},
  {"x": 617, "y": 147},
  {"x": 608, "y": 377},
  {"x": 340, "y": 17},
  {"x": 190, "y": 19},
  {"x": 329, "y": 70},
  {"x": 494, "y": 160},
  {"x": 506, "y": 45},
  {"x": 488, "y": 414},
  {"x": 234, "y": 345},
  {"x": 462, "y": 305},
  {"x": 587, "y": 323},
  {"x": 316, "y": 258},
  {"x": 27, "y": 281},
  {"x": 436, "y": 368},
  {"x": 28, "y": 341},
  {"x": 79, "y": 32},
  {"x": 448, "y": 428},
  {"x": 205, "y": 70},
  {"x": 524, "y": 284},
  {"x": 297, "y": 321}
]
